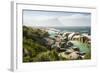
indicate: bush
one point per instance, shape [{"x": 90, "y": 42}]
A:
[
  {"x": 33, "y": 43},
  {"x": 47, "y": 56},
  {"x": 26, "y": 59}
]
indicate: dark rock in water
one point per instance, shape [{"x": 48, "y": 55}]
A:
[
  {"x": 69, "y": 44},
  {"x": 82, "y": 53},
  {"x": 76, "y": 48},
  {"x": 64, "y": 45}
]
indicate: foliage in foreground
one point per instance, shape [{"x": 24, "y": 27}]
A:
[{"x": 34, "y": 48}]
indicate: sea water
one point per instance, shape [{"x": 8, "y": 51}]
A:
[
  {"x": 81, "y": 30},
  {"x": 84, "y": 29}
]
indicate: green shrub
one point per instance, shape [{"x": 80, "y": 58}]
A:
[{"x": 47, "y": 56}]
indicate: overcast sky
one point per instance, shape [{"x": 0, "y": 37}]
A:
[{"x": 54, "y": 19}]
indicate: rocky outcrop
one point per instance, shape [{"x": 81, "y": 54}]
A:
[
  {"x": 72, "y": 54},
  {"x": 63, "y": 45}
]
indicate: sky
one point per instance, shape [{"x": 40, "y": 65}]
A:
[{"x": 55, "y": 19}]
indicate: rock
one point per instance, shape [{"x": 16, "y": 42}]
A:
[
  {"x": 25, "y": 52},
  {"x": 69, "y": 44},
  {"x": 73, "y": 53},
  {"x": 70, "y": 36},
  {"x": 82, "y": 53},
  {"x": 76, "y": 49},
  {"x": 49, "y": 41},
  {"x": 67, "y": 52}
]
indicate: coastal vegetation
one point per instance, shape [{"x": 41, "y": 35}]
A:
[{"x": 38, "y": 46}]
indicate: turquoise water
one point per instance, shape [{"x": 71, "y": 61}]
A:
[
  {"x": 83, "y": 47},
  {"x": 52, "y": 34}
]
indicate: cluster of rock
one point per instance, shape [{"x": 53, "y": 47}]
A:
[
  {"x": 62, "y": 43},
  {"x": 73, "y": 53}
]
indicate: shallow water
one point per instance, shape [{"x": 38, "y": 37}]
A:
[{"x": 83, "y": 47}]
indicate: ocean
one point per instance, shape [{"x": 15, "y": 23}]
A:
[{"x": 75, "y": 29}]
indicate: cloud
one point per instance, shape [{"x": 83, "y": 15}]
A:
[
  {"x": 75, "y": 20},
  {"x": 43, "y": 21},
  {"x": 66, "y": 19}
]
